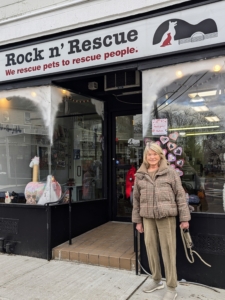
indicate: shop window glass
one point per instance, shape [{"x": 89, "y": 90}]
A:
[
  {"x": 22, "y": 130},
  {"x": 77, "y": 145},
  {"x": 190, "y": 98},
  {"x": 43, "y": 149}
]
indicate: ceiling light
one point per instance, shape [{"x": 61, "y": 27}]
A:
[
  {"x": 203, "y": 94},
  {"x": 212, "y": 119},
  {"x": 205, "y": 133},
  {"x": 217, "y": 68},
  {"x": 179, "y": 74},
  {"x": 33, "y": 94},
  {"x": 182, "y": 133},
  {"x": 193, "y": 128},
  {"x": 200, "y": 108},
  {"x": 197, "y": 98}
]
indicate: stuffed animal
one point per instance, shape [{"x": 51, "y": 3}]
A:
[{"x": 7, "y": 197}]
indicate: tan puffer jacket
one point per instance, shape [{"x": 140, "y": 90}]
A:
[{"x": 159, "y": 198}]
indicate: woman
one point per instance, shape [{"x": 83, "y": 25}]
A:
[{"x": 158, "y": 197}]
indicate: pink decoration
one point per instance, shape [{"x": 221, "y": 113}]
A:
[
  {"x": 164, "y": 152},
  {"x": 171, "y": 157},
  {"x": 180, "y": 163},
  {"x": 173, "y": 166},
  {"x": 171, "y": 146},
  {"x": 35, "y": 190},
  {"x": 174, "y": 136},
  {"x": 164, "y": 139},
  {"x": 158, "y": 143},
  {"x": 178, "y": 151},
  {"x": 180, "y": 173}
]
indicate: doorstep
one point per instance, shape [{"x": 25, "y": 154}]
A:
[{"x": 109, "y": 245}]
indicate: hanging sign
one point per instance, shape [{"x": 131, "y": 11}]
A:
[{"x": 159, "y": 126}]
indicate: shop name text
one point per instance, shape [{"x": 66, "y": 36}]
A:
[{"x": 75, "y": 47}]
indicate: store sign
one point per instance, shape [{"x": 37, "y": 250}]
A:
[
  {"x": 187, "y": 29},
  {"x": 159, "y": 126}
]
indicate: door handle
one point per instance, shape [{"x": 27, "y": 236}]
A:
[{"x": 78, "y": 171}]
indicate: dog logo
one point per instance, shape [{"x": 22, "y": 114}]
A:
[
  {"x": 169, "y": 34},
  {"x": 181, "y": 32}
]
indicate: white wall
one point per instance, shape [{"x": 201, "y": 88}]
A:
[{"x": 25, "y": 19}]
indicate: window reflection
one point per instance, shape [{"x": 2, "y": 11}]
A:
[
  {"x": 57, "y": 130},
  {"x": 22, "y": 130},
  {"x": 77, "y": 153},
  {"x": 193, "y": 105}
]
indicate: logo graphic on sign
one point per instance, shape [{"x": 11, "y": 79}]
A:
[{"x": 183, "y": 32}]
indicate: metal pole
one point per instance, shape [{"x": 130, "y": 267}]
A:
[
  {"x": 48, "y": 233},
  {"x": 136, "y": 248},
  {"x": 70, "y": 217},
  {"x": 135, "y": 245}
]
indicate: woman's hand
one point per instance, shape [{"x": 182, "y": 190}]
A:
[
  {"x": 139, "y": 227},
  {"x": 184, "y": 225}
]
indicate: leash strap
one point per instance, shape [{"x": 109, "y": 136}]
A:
[{"x": 187, "y": 242}]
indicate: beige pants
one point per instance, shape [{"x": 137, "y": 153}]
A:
[{"x": 161, "y": 232}]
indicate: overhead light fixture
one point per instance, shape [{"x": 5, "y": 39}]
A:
[
  {"x": 205, "y": 133},
  {"x": 200, "y": 108},
  {"x": 179, "y": 74},
  {"x": 193, "y": 128},
  {"x": 182, "y": 133},
  {"x": 203, "y": 94},
  {"x": 217, "y": 68},
  {"x": 4, "y": 99},
  {"x": 197, "y": 98},
  {"x": 212, "y": 119}
]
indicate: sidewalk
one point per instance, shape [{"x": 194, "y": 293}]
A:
[{"x": 26, "y": 278}]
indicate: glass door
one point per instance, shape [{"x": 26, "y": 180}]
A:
[{"x": 128, "y": 158}]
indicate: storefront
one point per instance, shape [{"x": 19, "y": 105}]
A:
[{"x": 85, "y": 103}]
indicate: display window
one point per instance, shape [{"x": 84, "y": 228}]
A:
[
  {"x": 183, "y": 111},
  {"x": 50, "y": 139}
]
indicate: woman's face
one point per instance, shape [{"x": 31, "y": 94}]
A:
[{"x": 153, "y": 158}]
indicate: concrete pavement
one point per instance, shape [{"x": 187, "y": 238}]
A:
[{"x": 26, "y": 278}]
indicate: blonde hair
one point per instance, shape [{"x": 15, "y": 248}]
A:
[{"x": 156, "y": 148}]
